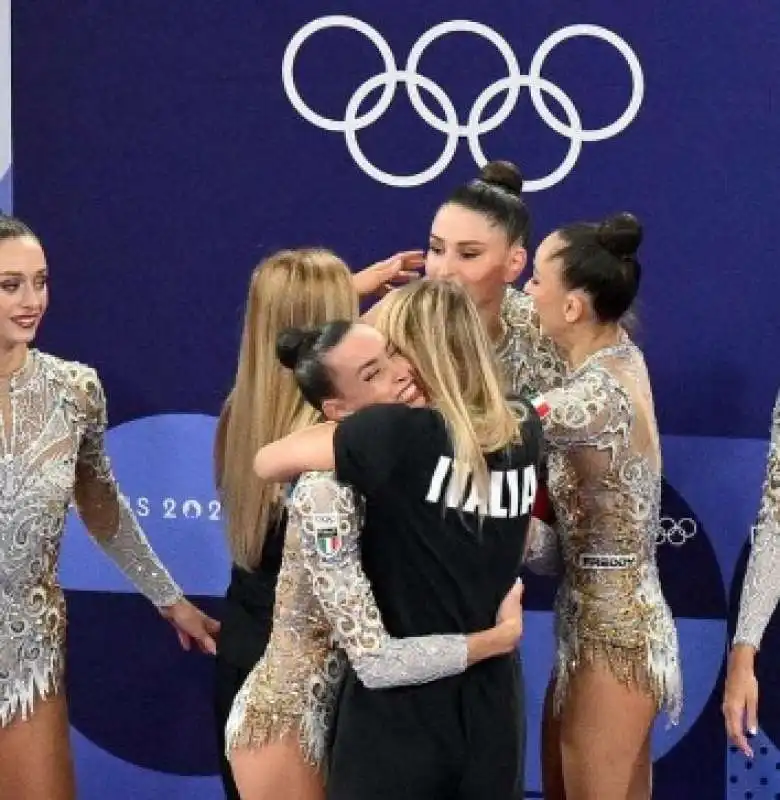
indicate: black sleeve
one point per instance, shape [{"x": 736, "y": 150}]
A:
[{"x": 373, "y": 444}]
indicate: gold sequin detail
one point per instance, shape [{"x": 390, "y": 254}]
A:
[
  {"x": 605, "y": 484},
  {"x": 292, "y": 689}
]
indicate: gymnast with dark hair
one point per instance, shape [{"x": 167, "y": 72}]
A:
[
  {"x": 449, "y": 489},
  {"x": 325, "y": 607},
  {"x": 617, "y": 661}
]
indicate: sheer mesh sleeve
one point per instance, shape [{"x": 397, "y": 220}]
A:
[
  {"x": 591, "y": 410},
  {"x": 761, "y": 590},
  {"x": 107, "y": 514},
  {"x": 530, "y": 359},
  {"x": 330, "y": 547}
]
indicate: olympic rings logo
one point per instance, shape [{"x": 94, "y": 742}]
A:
[
  {"x": 450, "y": 125},
  {"x": 675, "y": 531}
]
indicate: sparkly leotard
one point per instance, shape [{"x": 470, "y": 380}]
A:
[
  {"x": 52, "y": 424},
  {"x": 605, "y": 485}
]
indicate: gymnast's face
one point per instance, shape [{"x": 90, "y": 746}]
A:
[
  {"x": 557, "y": 306},
  {"x": 366, "y": 370},
  {"x": 468, "y": 248},
  {"x": 23, "y": 290}
]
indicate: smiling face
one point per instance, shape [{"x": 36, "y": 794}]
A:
[
  {"x": 24, "y": 293},
  {"x": 365, "y": 370}
]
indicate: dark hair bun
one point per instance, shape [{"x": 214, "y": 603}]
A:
[
  {"x": 620, "y": 235},
  {"x": 292, "y": 344},
  {"x": 504, "y": 174}
]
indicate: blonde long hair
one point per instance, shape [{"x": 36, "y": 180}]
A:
[
  {"x": 436, "y": 325},
  {"x": 292, "y": 288}
]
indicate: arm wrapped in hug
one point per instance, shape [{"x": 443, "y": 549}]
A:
[{"x": 329, "y": 529}]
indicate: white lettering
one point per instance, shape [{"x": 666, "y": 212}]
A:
[
  {"x": 514, "y": 492},
  {"x": 507, "y": 498},
  {"x": 497, "y": 480},
  {"x": 529, "y": 489},
  {"x": 456, "y": 488},
  {"x": 470, "y": 506},
  {"x": 437, "y": 481}
]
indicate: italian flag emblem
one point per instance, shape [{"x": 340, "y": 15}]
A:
[
  {"x": 329, "y": 540},
  {"x": 541, "y": 405}
]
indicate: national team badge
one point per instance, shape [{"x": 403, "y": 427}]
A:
[
  {"x": 541, "y": 405},
  {"x": 328, "y": 539}
]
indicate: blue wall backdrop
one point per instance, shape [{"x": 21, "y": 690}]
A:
[
  {"x": 161, "y": 149},
  {"x": 6, "y": 155}
]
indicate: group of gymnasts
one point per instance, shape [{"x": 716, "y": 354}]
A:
[{"x": 387, "y": 479}]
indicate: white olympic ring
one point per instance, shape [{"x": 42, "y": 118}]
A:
[
  {"x": 450, "y": 125},
  {"x": 411, "y": 79},
  {"x": 675, "y": 532}
]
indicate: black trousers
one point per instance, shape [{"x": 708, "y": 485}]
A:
[
  {"x": 228, "y": 680},
  {"x": 461, "y": 738}
]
